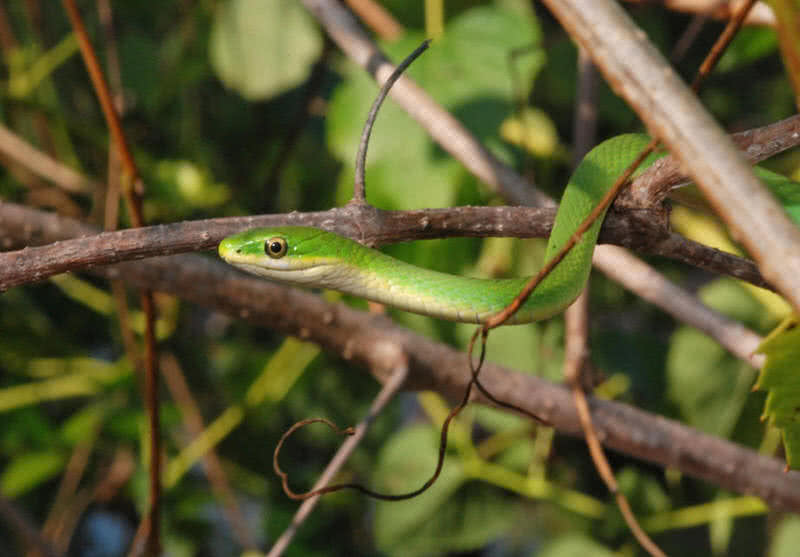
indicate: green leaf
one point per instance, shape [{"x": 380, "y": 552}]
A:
[
  {"x": 406, "y": 462},
  {"x": 575, "y": 545},
  {"x": 785, "y": 189},
  {"x": 177, "y": 187},
  {"x": 780, "y": 377},
  {"x": 704, "y": 381},
  {"x": 473, "y": 56},
  {"x": 84, "y": 423},
  {"x": 450, "y": 516},
  {"x": 262, "y": 48},
  {"x": 28, "y": 470},
  {"x": 786, "y": 539}
]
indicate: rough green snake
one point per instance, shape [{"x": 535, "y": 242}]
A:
[{"x": 316, "y": 258}]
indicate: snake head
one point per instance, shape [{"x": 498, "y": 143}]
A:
[{"x": 294, "y": 254}]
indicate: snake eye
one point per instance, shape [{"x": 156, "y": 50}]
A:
[{"x": 275, "y": 247}]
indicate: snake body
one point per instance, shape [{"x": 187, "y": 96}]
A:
[{"x": 317, "y": 258}]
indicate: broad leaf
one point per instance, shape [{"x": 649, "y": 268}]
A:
[
  {"x": 780, "y": 377},
  {"x": 262, "y": 48}
]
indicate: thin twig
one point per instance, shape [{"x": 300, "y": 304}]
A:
[
  {"x": 193, "y": 419},
  {"x": 719, "y": 9},
  {"x": 104, "y": 96},
  {"x": 576, "y": 318},
  {"x": 153, "y": 545},
  {"x": 317, "y": 491},
  {"x": 359, "y": 187},
  {"x": 575, "y": 357},
  {"x": 108, "y": 197},
  {"x": 687, "y": 38},
  {"x": 721, "y": 44},
  {"x": 387, "y": 392},
  {"x": 132, "y": 190},
  {"x": 8, "y": 41},
  {"x": 67, "y": 488},
  {"x": 584, "y": 130},
  {"x": 42, "y": 164}
]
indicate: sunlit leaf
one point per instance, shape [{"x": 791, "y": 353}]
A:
[
  {"x": 450, "y": 516},
  {"x": 708, "y": 384},
  {"x": 262, "y": 48},
  {"x": 179, "y": 187},
  {"x": 787, "y": 538},
  {"x": 575, "y": 545},
  {"x": 406, "y": 462},
  {"x": 785, "y": 189},
  {"x": 780, "y": 377},
  {"x": 533, "y": 130},
  {"x": 28, "y": 470}
]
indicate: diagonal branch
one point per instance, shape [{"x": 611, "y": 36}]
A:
[
  {"x": 16, "y": 149},
  {"x": 676, "y": 116}
]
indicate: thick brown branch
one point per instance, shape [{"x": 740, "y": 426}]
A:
[
  {"x": 651, "y": 187},
  {"x": 20, "y": 225}
]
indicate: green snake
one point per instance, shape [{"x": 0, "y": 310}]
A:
[{"x": 317, "y": 258}]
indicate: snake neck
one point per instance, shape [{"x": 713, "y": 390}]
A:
[{"x": 386, "y": 280}]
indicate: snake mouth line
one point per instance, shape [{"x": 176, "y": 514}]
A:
[{"x": 283, "y": 264}]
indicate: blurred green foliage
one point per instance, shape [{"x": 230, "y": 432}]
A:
[{"x": 217, "y": 109}]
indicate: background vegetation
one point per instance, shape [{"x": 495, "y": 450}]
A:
[{"x": 243, "y": 107}]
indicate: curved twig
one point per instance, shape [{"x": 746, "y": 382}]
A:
[{"x": 359, "y": 187}]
